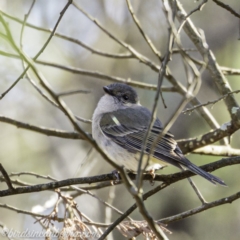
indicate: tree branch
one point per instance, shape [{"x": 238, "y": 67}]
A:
[
  {"x": 217, "y": 151},
  {"x": 227, "y": 129},
  {"x": 212, "y": 66},
  {"x": 227, "y": 7},
  {"x": 42, "y": 130},
  {"x": 202, "y": 208},
  {"x": 167, "y": 179}
]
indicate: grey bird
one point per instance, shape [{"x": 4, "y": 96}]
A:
[{"x": 119, "y": 125}]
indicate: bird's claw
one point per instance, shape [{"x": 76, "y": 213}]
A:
[
  {"x": 116, "y": 177},
  {"x": 152, "y": 173}
]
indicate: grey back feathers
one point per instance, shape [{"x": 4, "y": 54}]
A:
[{"x": 121, "y": 122}]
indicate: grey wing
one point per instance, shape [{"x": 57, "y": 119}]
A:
[{"x": 127, "y": 128}]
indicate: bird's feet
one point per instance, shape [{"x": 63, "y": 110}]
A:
[
  {"x": 116, "y": 177},
  {"x": 152, "y": 173}
]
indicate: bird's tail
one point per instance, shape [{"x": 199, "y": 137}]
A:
[{"x": 195, "y": 169}]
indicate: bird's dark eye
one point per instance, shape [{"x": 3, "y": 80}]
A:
[{"x": 125, "y": 97}]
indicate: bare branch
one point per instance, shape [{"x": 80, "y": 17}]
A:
[
  {"x": 202, "y": 208},
  {"x": 54, "y": 29},
  {"x": 57, "y": 184},
  {"x": 136, "y": 21},
  {"x": 217, "y": 151},
  {"x": 133, "y": 51},
  {"x": 42, "y": 130},
  {"x": 15, "y": 182},
  {"x": 76, "y": 41},
  {"x": 107, "y": 204},
  {"x": 26, "y": 212},
  {"x": 161, "y": 75},
  {"x": 14, "y": 84},
  {"x": 198, "y": 8},
  {"x": 230, "y": 71},
  {"x": 32, "y": 174},
  {"x": 177, "y": 50},
  {"x": 221, "y": 163},
  {"x": 41, "y": 50},
  {"x": 212, "y": 65},
  {"x": 67, "y": 93},
  {"x": 227, "y": 129},
  {"x": 197, "y": 191},
  {"x": 210, "y": 102},
  {"x": 96, "y": 74},
  {"x": 6, "y": 177},
  {"x": 227, "y": 7},
  {"x": 167, "y": 179}
]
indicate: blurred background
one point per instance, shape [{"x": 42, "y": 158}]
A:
[{"x": 22, "y": 150}]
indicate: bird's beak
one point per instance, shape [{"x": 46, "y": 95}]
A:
[{"x": 108, "y": 90}]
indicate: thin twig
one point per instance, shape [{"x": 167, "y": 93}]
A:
[
  {"x": 230, "y": 71},
  {"x": 108, "y": 211},
  {"x": 202, "y": 208},
  {"x": 205, "y": 114},
  {"x": 27, "y": 212},
  {"x": 42, "y": 49},
  {"x": 67, "y": 93},
  {"x": 147, "y": 39},
  {"x": 107, "y": 204},
  {"x": 210, "y": 102},
  {"x": 212, "y": 66},
  {"x": 98, "y": 186},
  {"x": 153, "y": 115},
  {"x": 7, "y": 178},
  {"x": 25, "y": 20},
  {"x": 54, "y": 29},
  {"x": 21, "y": 35},
  {"x": 96, "y": 74},
  {"x": 196, "y": 190},
  {"x": 177, "y": 50},
  {"x": 76, "y": 41},
  {"x": 16, "y": 182},
  {"x": 135, "y": 53},
  {"x": 81, "y": 119},
  {"x": 192, "y": 90},
  {"x": 13, "y": 174},
  {"x": 227, "y": 7},
  {"x": 198, "y": 8},
  {"x": 13, "y": 85},
  {"x": 43, "y": 130}
]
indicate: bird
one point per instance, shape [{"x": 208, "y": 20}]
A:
[{"x": 119, "y": 126}]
